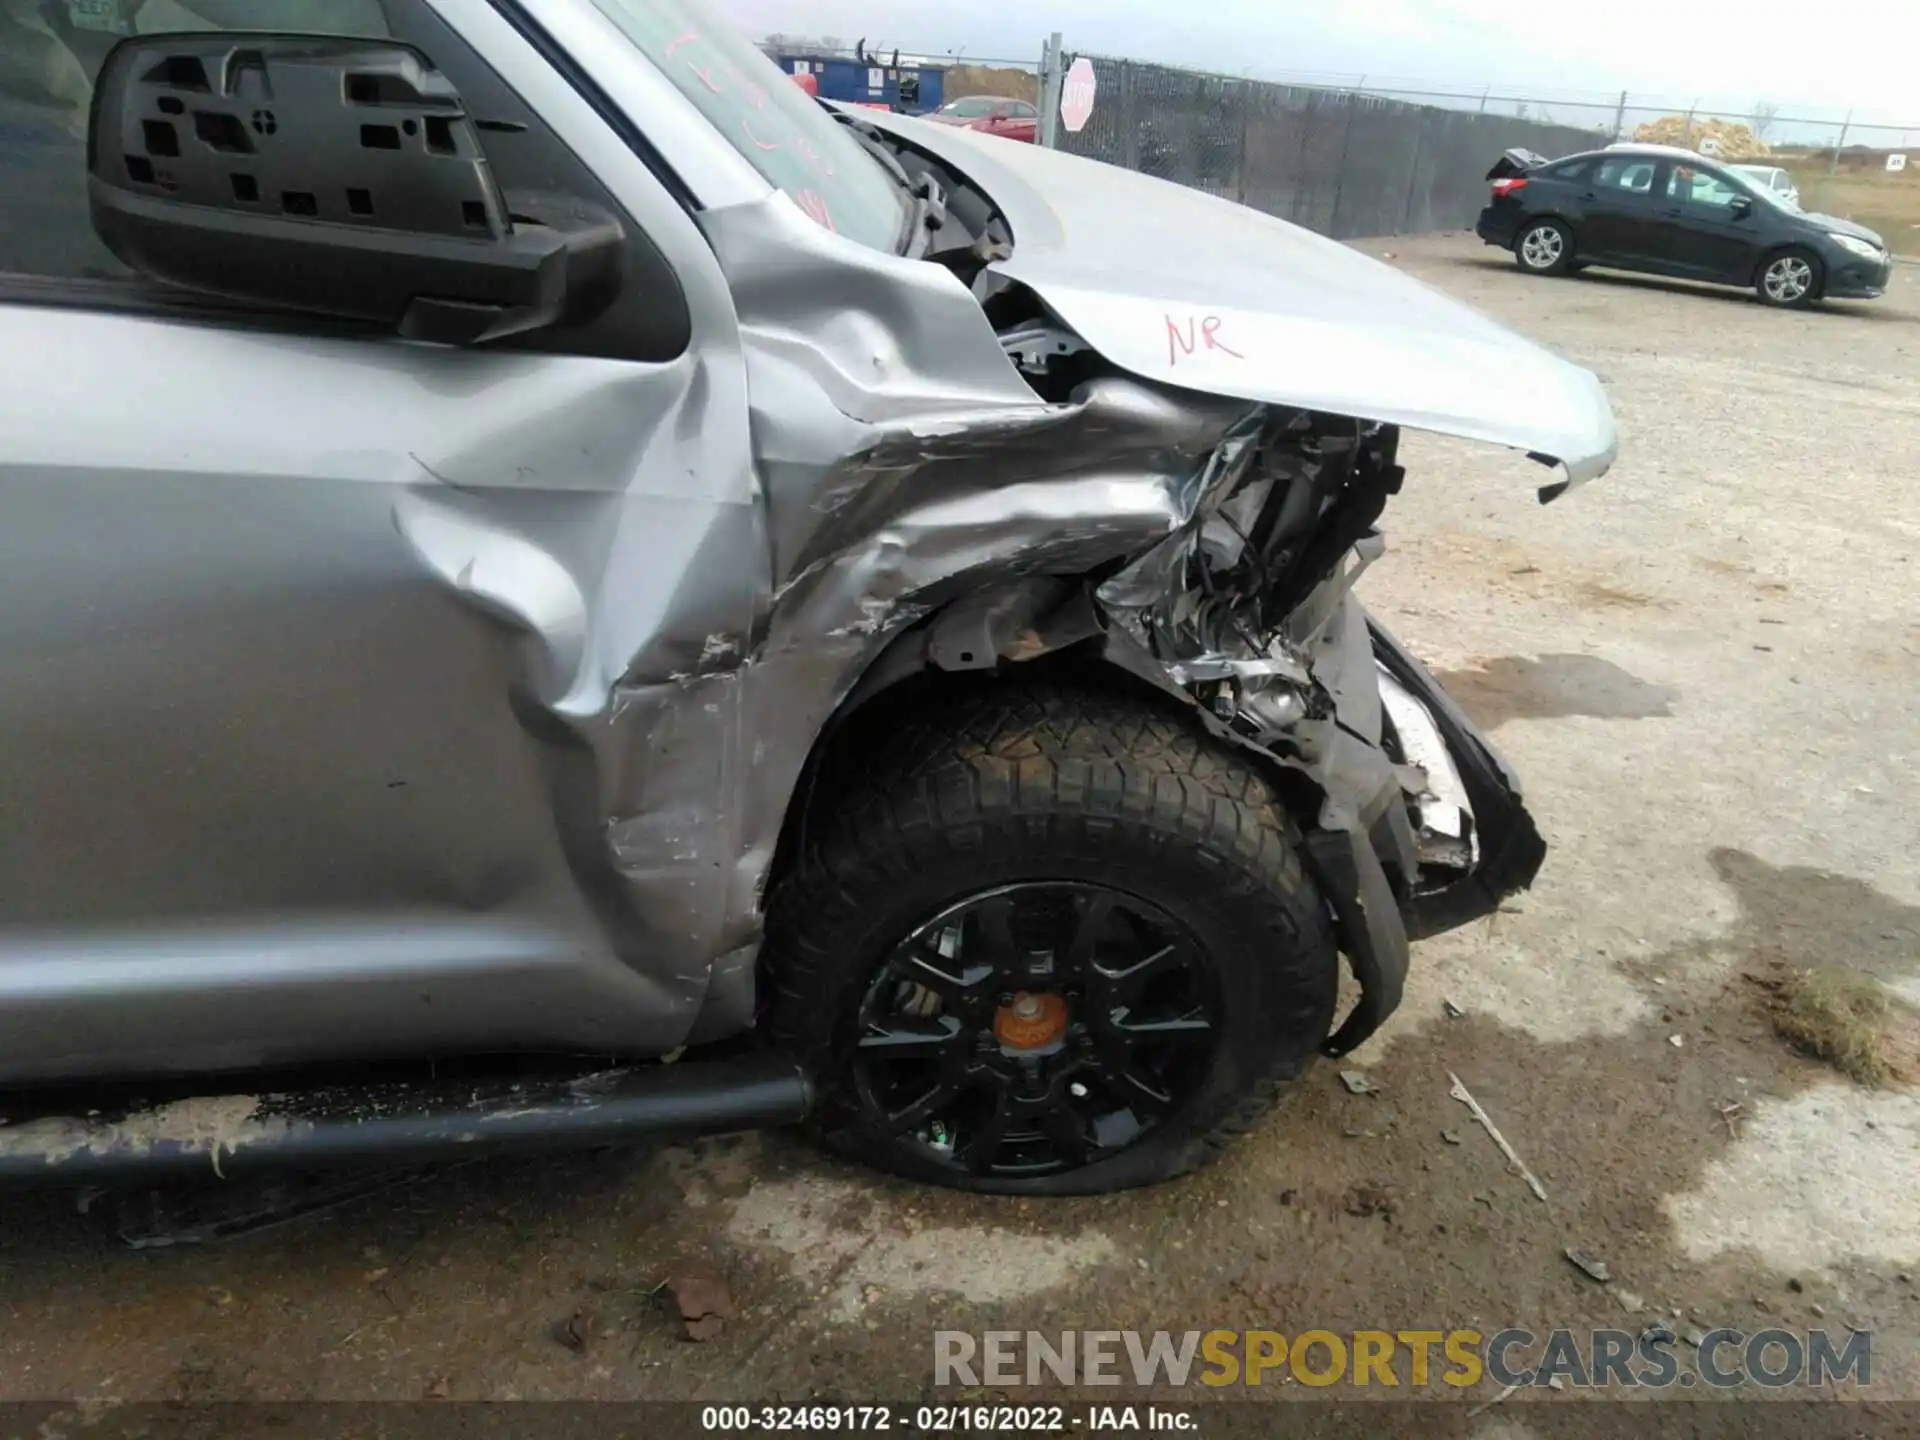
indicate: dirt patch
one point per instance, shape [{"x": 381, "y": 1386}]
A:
[
  {"x": 853, "y": 1258},
  {"x": 1553, "y": 687},
  {"x": 1533, "y": 570},
  {"x": 1600, "y": 593}
]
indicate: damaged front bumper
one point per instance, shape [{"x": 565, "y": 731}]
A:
[
  {"x": 1470, "y": 812},
  {"x": 1412, "y": 823}
]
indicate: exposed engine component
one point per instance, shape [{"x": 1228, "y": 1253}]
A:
[
  {"x": 1239, "y": 600},
  {"x": 1035, "y": 346}
]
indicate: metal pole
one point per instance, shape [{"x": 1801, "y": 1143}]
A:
[
  {"x": 1620, "y": 116},
  {"x": 1339, "y": 177},
  {"x": 1413, "y": 174},
  {"x": 1246, "y": 113},
  {"x": 1051, "y": 81},
  {"x": 1833, "y": 165},
  {"x": 1483, "y": 99},
  {"x": 1690, "y": 111}
]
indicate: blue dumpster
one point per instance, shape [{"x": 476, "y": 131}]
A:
[{"x": 910, "y": 89}]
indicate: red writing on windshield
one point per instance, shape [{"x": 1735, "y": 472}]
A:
[
  {"x": 1198, "y": 334},
  {"x": 678, "y": 43},
  {"x": 811, "y": 201},
  {"x": 815, "y": 204},
  {"x": 814, "y": 158}
]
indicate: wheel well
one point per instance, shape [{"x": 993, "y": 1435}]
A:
[
  {"x": 867, "y": 714},
  {"x": 847, "y": 739}
]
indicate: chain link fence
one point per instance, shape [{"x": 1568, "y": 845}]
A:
[
  {"x": 1356, "y": 155},
  {"x": 1340, "y": 162}
]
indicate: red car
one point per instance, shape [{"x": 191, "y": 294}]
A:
[{"x": 994, "y": 114}]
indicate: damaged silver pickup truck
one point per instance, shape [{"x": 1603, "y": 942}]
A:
[{"x": 536, "y": 548}]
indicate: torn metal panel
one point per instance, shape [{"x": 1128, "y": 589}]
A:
[{"x": 903, "y": 468}]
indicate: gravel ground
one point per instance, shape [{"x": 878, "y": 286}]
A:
[{"x": 1704, "y": 664}]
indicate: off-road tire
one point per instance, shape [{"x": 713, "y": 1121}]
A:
[
  {"x": 1023, "y": 782},
  {"x": 1531, "y": 256}
]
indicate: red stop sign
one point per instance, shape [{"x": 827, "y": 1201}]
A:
[{"x": 1076, "y": 96}]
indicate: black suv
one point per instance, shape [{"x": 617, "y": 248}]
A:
[{"x": 1671, "y": 212}]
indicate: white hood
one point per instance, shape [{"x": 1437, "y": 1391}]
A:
[{"x": 1184, "y": 288}]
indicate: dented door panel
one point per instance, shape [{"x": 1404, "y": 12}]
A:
[{"x": 287, "y": 644}]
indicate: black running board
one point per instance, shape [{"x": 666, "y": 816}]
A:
[{"x": 405, "y": 1121}]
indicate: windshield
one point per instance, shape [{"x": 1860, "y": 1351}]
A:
[{"x": 782, "y": 132}]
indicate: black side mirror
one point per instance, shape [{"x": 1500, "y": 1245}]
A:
[
  {"x": 331, "y": 176},
  {"x": 1741, "y": 206}
]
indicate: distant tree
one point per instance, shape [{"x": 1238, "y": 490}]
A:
[
  {"x": 1765, "y": 112},
  {"x": 1520, "y": 111}
]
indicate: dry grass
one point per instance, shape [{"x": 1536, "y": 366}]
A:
[
  {"x": 1882, "y": 201},
  {"x": 1007, "y": 83},
  {"x": 1851, "y": 1021}
]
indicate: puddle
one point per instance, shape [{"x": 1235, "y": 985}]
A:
[
  {"x": 1807, "y": 917},
  {"x": 1553, "y": 687}
]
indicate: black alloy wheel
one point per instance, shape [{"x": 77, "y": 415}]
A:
[{"x": 1035, "y": 1028}]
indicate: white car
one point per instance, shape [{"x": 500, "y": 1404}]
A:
[{"x": 1774, "y": 180}]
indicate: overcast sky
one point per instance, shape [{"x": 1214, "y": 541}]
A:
[{"x": 1815, "y": 59}]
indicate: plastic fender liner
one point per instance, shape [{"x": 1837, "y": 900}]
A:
[
  {"x": 1511, "y": 848},
  {"x": 1372, "y": 935}
]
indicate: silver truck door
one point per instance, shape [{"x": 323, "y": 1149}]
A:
[{"x": 312, "y": 641}]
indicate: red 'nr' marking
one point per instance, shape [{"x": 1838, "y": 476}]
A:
[
  {"x": 1194, "y": 334},
  {"x": 1210, "y": 334}
]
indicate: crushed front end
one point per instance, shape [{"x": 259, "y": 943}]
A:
[{"x": 1413, "y": 824}]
